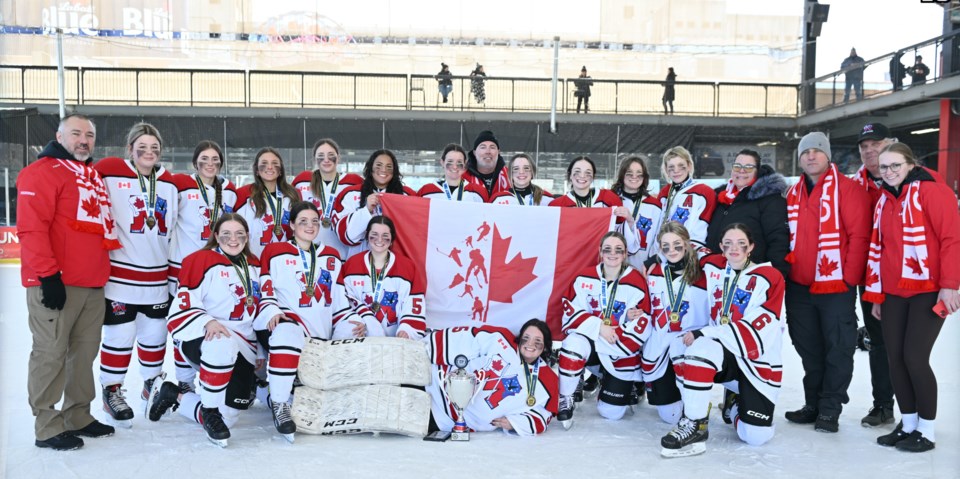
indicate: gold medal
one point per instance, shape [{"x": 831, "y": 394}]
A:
[
  {"x": 375, "y": 306},
  {"x": 311, "y": 290},
  {"x": 249, "y": 302},
  {"x": 151, "y": 222},
  {"x": 326, "y": 222},
  {"x": 531, "y": 401},
  {"x": 607, "y": 322},
  {"x": 277, "y": 231},
  {"x": 724, "y": 319},
  {"x": 674, "y": 317}
]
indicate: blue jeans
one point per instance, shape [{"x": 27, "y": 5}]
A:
[
  {"x": 445, "y": 90},
  {"x": 857, "y": 87}
]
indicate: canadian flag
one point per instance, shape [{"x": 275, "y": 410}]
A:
[{"x": 495, "y": 264}]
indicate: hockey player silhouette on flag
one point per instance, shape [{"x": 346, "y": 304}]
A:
[
  {"x": 477, "y": 266},
  {"x": 478, "y": 310},
  {"x": 484, "y": 230},
  {"x": 467, "y": 289},
  {"x": 454, "y": 255},
  {"x": 469, "y": 241}
]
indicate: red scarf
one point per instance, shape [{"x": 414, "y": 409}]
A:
[
  {"x": 914, "y": 274},
  {"x": 829, "y": 272},
  {"x": 93, "y": 207},
  {"x": 727, "y": 196}
]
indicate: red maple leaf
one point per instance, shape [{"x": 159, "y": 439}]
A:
[
  {"x": 718, "y": 294},
  {"x": 873, "y": 277},
  {"x": 91, "y": 207},
  {"x": 139, "y": 203},
  {"x": 656, "y": 301},
  {"x": 827, "y": 267},
  {"x": 914, "y": 265},
  {"x": 507, "y": 278}
]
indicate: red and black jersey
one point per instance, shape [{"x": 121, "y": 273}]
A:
[
  {"x": 350, "y": 220},
  {"x": 400, "y": 295},
  {"x": 692, "y": 206}
]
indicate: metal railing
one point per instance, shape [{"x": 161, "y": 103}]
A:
[
  {"x": 878, "y": 74},
  {"x": 289, "y": 89}
]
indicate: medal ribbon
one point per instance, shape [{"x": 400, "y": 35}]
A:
[
  {"x": 676, "y": 301},
  {"x": 376, "y": 280},
  {"x": 673, "y": 194},
  {"x": 728, "y": 290},
  {"x": 607, "y": 309},
  {"x": 589, "y": 202},
  {"x": 531, "y": 380},
  {"x": 446, "y": 190},
  {"x": 520, "y": 197},
  {"x": 326, "y": 205},
  {"x": 276, "y": 209},
  {"x": 311, "y": 278},
  {"x": 243, "y": 271},
  {"x": 149, "y": 196},
  {"x": 215, "y": 210}
]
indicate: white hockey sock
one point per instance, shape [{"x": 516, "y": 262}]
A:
[
  {"x": 910, "y": 422},
  {"x": 925, "y": 426}
]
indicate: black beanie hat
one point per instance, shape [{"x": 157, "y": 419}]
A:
[{"x": 485, "y": 135}]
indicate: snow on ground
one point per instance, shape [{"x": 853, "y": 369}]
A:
[{"x": 175, "y": 447}]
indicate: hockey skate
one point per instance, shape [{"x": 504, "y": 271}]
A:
[
  {"x": 165, "y": 399},
  {"x": 726, "y": 408},
  {"x": 591, "y": 385},
  {"x": 283, "y": 420},
  {"x": 115, "y": 405},
  {"x": 688, "y": 438},
  {"x": 217, "y": 431},
  {"x": 578, "y": 393},
  {"x": 150, "y": 388},
  {"x": 565, "y": 415}
]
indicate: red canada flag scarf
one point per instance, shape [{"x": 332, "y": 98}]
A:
[
  {"x": 829, "y": 272},
  {"x": 93, "y": 207},
  {"x": 914, "y": 274}
]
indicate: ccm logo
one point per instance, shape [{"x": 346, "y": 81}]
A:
[
  {"x": 340, "y": 422},
  {"x": 758, "y": 415},
  {"x": 160, "y": 306},
  {"x": 346, "y": 341}
]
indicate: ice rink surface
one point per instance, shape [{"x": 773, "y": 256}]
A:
[{"x": 594, "y": 447}]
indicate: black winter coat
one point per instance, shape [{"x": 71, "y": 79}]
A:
[{"x": 763, "y": 208}]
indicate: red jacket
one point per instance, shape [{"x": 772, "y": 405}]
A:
[
  {"x": 942, "y": 225},
  {"x": 47, "y": 202},
  {"x": 855, "y": 226}
]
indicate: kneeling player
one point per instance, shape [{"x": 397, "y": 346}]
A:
[
  {"x": 740, "y": 349},
  {"x": 605, "y": 317},
  {"x": 302, "y": 297},
  {"x": 678, "y": 303},
  {"x": 211, "y": 322},
  {"x": 517, "y": 390}
]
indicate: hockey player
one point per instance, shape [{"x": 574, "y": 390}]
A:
[
  {"x": 678, "y": 303},
  {"x": 265, "y": 203},
  {"x": 582, "y": 194},
  {"x": 517, "y": 390},
  {"x": 681, "y": 200},
  {"x": 452, "y": 186},
  {"x": 203, "y": 197},
  {"x": 605, "y": 316},
  {"x": 321, "y": 187},
  {"x": 144, "y": 205},
  {"x": 211, "y": 322},
  {"x": 633, "y": 178},
  {"x": 522, "y": 191},
  {"x": 303, "y": 296},
  {"x": 740, "y": 348},
  {"x": 357, "y": 204},
  {"x": 386, "y": 284}
]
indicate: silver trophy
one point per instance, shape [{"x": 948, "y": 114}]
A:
[{"x": 461, "y": 387}]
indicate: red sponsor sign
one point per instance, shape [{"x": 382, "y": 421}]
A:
[{"x": 9, "y": 244}]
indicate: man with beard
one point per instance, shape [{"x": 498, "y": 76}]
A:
[{"x": 485, "y": 166}]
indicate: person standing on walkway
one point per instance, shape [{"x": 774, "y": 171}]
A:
[
  {"x": 583, "y": 84},
  {"x": 668, "y": 91},
  {"x": 852, "y": 68}
]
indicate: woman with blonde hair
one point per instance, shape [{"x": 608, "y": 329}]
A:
[{"x": 681, "y": 199}]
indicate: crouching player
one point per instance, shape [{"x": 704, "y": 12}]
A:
[
  {"x": 739, "y": 349},
  {"x": 517, "y": 391}
]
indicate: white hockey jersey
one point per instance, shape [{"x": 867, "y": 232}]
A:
[
  {"x": 138, "y": 270},
  {"x": 641, "y": 237},
  {"x": 262, "y": 230},
  {"x": 196, "y": 218},
  {"x": 328, "y": 236},
  {"x": 350, "y": 220},
  {"x": 692, "y": 206},
  {"x": 469, "y": 192},
  {"x": 283, "y": 282},
  {"x": 400, "y": 298},
  {"x": 583, "y": 308},
  {"x": 502, "y": 388},
  {"x": 664, "y": 341},
  {"x": 754, "y": 333},
  {"x": 212, "y": 290},
  {"x": 512, "y": 198}
]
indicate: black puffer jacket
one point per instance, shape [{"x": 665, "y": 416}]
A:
[{"x": 763, "y": 208}]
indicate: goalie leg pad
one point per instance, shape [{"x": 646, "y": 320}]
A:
[
  {"x": 360, "y": 409},
  {"x": 354, "y": 362}
]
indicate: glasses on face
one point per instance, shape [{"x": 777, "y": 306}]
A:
[
  {"x": 384, "y": 167},
  {"x": 303, "y": 223},
  {"x": 582, "y": 174},
  {"x": 227, "y": 236},
  {"x": 454, "y": 165},
  {"x": 728, "y": 245},
  {"x": 536, "y": 343},
  {"x": 606, "y": 250},
  {"x": 666, "y": 247},
  {"x": 677, "y": 168},
  {"x": 892, "y": 167},
  {"x": 743, "y": 168}
]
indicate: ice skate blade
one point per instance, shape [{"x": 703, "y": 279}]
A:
[
  {"x": 288, "y": 438},
  {"x": 124, "y": 423},
  {"x": 567, "y": 424},
  {"x": 157, "y": 382},
  {"x": 218, "y": 442},
  {"x": 694, "y": 449}
]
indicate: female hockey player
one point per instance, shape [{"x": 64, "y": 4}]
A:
[
  {"x": 452, "y": 186},
  {"x": 522, "y": 191},
  {"x": 265, "y": 203},
  {"x": 633, "y": 179},
  {"x": 678, "y": 303},
  {"x": 385, "y": 284},
  {"x": 739, "y": 349},
  {"x": 605, "y": 317},
  {"x": 681, "y": 200},
  {"x": 211, "y": 322},
  {"x": 321, "y": 187},
  {"x": 357, "y": 204},
  {"x": 517, "y": 390},
  {"x": 144, "y": 204}
]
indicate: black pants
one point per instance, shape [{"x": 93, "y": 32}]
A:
[
  {"x": 911, "y": 327},
  {"x": 585, "y": 101},
  {"x": 879, "y": 367},
  {"x": 823, "y": 328}
]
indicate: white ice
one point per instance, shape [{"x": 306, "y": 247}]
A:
[{"x": 175, "y": 447}]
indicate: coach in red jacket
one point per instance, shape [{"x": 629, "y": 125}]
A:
[
  {"x": 829, "y": 219},
  {"x": 66, "y": 231}
]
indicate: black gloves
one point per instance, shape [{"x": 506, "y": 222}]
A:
[{"x": 53, "y": 292}]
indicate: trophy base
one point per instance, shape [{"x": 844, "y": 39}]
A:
[{"x": 460, "y": 436}]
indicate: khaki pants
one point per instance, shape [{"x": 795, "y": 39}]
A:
[{"x": 65, "y": 344}]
